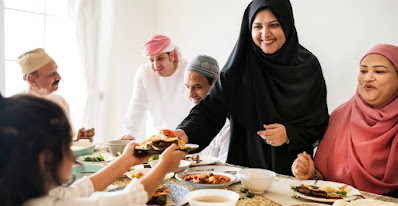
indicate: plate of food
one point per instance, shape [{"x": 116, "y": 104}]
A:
[
  {"x": 200, "y": 179},
  {"x": 156, "y": 144},
  {"x": 198, "y": 159},
  {"x": 139, "y": 173},
  {"x": 217, "y": 168},
  {"x": 94, "y": 159},
  {"x": 325, "y": 191}
]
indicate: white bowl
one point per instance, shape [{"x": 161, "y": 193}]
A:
[
  {"x": 82, "y": 147},
  {"x": 116, "y": 147},
  {"x": 182, "y": 167},
  {"x": 145, "y": 171},
  {"x": 256, "y": 181},
  {"x": 212, "y": 197}
]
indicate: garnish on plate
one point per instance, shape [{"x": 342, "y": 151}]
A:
[{"x": 99, "y": 158}]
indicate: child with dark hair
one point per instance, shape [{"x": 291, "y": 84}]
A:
[{"x": 35, "y": 140}]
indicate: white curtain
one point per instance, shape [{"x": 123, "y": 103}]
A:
[{"x": 86, "y": 19}]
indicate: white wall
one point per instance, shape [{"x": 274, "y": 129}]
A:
[
  {"x": 338, "y": 32},
  {"x": 2, "y": 66}
]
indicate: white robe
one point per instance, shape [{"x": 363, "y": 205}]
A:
[
  {"x": 57, "y": 99},
  {"x": 162, "y": 101}
]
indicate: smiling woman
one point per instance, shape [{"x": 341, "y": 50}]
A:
[{"x": 360, "y": 145}]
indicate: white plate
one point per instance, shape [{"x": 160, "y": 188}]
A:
[
  {"x": 351, "y": 191},
  {"x": 180, "y": 176},
  {"x": 217, "y": 168},
  {"x": 145, "y": 171},
  {"x": 205, "y": 160},
  {"x": 107, "y": 158}
]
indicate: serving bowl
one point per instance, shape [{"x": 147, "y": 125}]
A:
[
  {"x": 116, "y": 147},
  {"x": 79, "y": 171},
  {"x": 180, "y": 176},
  {"x": 184, "y": 164},
  {"x": 212, "y": 197},
  {"x": 82, "y": 147},
  {"x": 255, "y": 180}
]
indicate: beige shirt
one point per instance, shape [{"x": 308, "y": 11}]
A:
[{"x": 56, "y": 99}]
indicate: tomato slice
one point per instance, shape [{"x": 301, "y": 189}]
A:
[
  {"x": 343, "y": 187},
  {"x": 168, "y": 132}
]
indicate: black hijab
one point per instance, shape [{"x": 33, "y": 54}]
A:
[
  {"x": 286, "y": 87},
  {"x": 255, "y": 88}
]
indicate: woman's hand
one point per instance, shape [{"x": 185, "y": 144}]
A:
[
  {"x": 170, "y": 159},
  {"x": 303, "y": 167},
  {"x": 274, "y": 134},
  {"x": 181, "y": 134}
]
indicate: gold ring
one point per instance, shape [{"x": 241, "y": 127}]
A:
[{"x": 271, "y": 142}]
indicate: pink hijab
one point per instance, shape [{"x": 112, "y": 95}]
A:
[{"x": 360, "y": 146}]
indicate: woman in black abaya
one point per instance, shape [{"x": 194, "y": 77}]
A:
[{"x": 272, "y": 90}]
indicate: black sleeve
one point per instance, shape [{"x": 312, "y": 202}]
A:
[{"x": 207, "y": 118}]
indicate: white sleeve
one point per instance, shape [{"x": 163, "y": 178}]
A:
[
  {"x": 81, "y": 188},
  {"x": 134, "y": 194},
  {"x": 137, "y": 107}
]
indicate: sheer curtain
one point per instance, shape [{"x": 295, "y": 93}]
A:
[{"x": 86, "y": 19}]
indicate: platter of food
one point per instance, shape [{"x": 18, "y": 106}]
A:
[
  {"x": 156, "y": 144},
  {"x": 94, "y": 159},
  {"x": 325, "y": 191},
  {"x": 202, "y": 179},
  {"x": 198, "y": 159},
  {"x": 217, "y": 168}
]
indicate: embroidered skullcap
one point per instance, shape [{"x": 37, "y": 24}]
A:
[
  {"x": 204, "y": 65},
  {"x": 159, "y": 44},
  {"x": 33, "y": 60},
  {"x": 387, "y": 50}
]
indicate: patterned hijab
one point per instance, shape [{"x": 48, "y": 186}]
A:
[{"x": 360, "y": 146}]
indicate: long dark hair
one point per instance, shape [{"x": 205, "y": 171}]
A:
[{"x": 28, "y": 127}]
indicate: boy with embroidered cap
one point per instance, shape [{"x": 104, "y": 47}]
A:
[
  {"x": 200, "y": 74},
  {"x": 40, "y": 71}
]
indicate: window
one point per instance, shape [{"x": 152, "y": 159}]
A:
[{"x": 31, "y": 24}]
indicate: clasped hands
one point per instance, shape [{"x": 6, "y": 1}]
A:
[
  {"x": 274, "y": 134},
  {"x": 85, "y": 134}
]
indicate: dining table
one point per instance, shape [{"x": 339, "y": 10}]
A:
[{"x": 280, "y": 192}]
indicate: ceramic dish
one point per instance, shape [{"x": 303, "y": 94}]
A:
[
  {"x": 82, "y": 147},
  {"x": 132, "y": 174},
  {"x": 352, "y": 193},
  {"x": 217, "y": 168},
  {"x": 79, "y": 171},
  {"x": 212, "y": 197},
  {"x": 107, "y": 158},
  {"x": 203, "y": 160},
  {"x": 188, "y": 148},
  {"x": 181, "y": 175}
]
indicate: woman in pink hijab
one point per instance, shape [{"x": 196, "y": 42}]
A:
[{"x": 360, "y": 146}]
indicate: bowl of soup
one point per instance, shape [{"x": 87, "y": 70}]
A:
[{"x": 212, "y": 197}]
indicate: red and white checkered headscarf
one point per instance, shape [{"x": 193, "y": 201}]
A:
[{"x": 159, "y": 44}]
